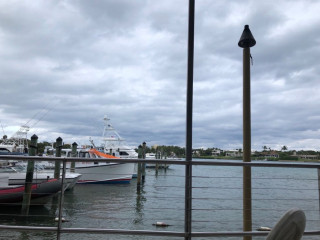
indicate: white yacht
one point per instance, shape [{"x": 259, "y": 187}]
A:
[
  {"x": 113, "y": 144},
  {"x": 96, "y": 171}
]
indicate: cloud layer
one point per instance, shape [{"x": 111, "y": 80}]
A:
[{"x": 65, "y": 64}]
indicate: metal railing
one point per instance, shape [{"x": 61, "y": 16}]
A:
[{"x": 59, "y": 229}]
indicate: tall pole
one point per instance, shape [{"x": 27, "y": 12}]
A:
[
  {"x": 246, "y": 41},
  {"x": 188, "y": 171}
]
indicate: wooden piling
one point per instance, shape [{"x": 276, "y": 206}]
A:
[
  {"x": 165, "y": 165},
  {"x": 157, "y": 164},
  {"x": 29, "y": 177},
  {"x": 139, "y": 168},
  {"x": 143, "y": 165},
  {"x": 74, "y": 154},
  {"x": 57, "y": 164}
]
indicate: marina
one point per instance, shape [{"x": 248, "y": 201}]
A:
[{"x": 129, "y": 59}]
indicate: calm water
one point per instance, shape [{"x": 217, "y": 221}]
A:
[{"x": 217, "y": 203}]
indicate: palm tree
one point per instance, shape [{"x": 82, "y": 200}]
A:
[{"x": 284, "y": 148}]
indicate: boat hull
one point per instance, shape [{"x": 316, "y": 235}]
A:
[
  {"x": 14, "y": 194},
  {"x": 19, "y": 178},
  {"x": 104, "y": 173}
]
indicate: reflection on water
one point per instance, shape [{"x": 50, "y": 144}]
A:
[
  {"x": 140, "y": 200},
  {"x": 38, "y": 216}
]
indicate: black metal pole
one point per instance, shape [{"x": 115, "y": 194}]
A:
[{"x": 188, "y": 171}]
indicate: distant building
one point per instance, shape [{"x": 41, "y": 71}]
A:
[
  {"x": 311, "y": 155},
  {"x": 270, "y": 154},
  {"x": 196, "y": 152},
  {"x": 234, "y": 153},
  {"x": 216, "y": 152}
]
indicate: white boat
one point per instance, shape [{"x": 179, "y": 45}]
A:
[
  {"x": 18, "y": 173},
  {"x": 153, "y": 156},
  {"x": 150, "y": 156},
  {"x": 113, "y": 144},
  {"x": 10, "y": 194},
  {"x": 17, "y": 144},
  {"x": 97, "y": 171}
]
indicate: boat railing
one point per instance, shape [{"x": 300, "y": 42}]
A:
[{"x": 195, "y": 211}]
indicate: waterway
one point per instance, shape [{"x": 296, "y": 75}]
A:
[{"x": 217, "y": 203}]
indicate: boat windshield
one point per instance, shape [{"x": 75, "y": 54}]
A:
[{"x": 87, "y": 155}]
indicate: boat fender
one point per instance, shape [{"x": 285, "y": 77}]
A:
[
  {"x": 263, "y": 229},
  {"x": 160, "y": 224},
  {"x": 62, "y": 220}
]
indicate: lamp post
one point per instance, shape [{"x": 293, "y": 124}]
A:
[{"x": 246, "y": 41}]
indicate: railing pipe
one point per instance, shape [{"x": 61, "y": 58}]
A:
[
  {"x": 142, "y": 232},
  {"x": 168, "y": 161}
]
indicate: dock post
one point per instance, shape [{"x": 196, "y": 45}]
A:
[
  {"x": 165, "y": 165},
  {"x": 139, "y": 168},
  {"x": 143, "y": 165},
  {"x": 157, "y": 164},
  {"x": 29, "y": 177},
  {"x": 246, "y": 41},
  {"x": 74, "y": 154},
  {"x": 57, "y": 164}
]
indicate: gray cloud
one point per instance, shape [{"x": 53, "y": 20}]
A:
[{"x": 75, "y": 61}]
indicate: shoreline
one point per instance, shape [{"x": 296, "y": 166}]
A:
[{"x": 270, "y": 160}]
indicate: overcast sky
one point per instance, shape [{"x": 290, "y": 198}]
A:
[{"x": 65, "y": 64}]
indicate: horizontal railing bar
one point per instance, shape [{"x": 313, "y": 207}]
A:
[
  {"x": 142, "y": 232},
  {"x": 76, "y": 159},
  {"x": 258, "y": 164},
  {"x": 93, "y": 230},
  {"x": 123, "y": 232},
  {"x": 166, "y": 161}
]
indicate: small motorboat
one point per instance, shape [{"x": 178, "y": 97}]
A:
[
  {"x": 18, "y": 176},
  {"x": 11, "y": 194}
]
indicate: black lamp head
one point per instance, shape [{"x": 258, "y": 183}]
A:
[
  {"x": 246, "y": 40},
  {"x": 34, "y": 137}
]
